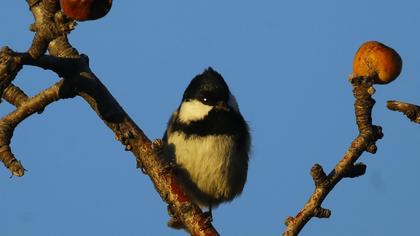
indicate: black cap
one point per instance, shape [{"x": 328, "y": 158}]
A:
[{"x": 209, "y": 86}]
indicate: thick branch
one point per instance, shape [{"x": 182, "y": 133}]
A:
[
  {"x": 365, "y": 141},
  {"x": 99, "y": 98},
  {"x": 50, "y": 23},
  {"x": 60, "y": 65},
  {"x": 51, "y": 32},
  {"x": 410, "y": 110}
]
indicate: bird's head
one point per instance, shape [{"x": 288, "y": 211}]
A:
[{"x": 207, "y": 91}]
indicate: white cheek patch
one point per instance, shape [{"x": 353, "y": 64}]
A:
[
  {"x": 193, "y": 110},
  {"x": 233, "y": 103}
]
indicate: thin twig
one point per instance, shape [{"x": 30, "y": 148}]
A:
[
  {"x": 9, "y": 122},
  {"x": 410, "y": 110},
  {"x": 365, "y": 141},
  {"x": 9, "y": 68},
  {"x": 14, "y": 95}
]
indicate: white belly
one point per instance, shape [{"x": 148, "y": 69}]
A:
[{"x": 209, "y": 161}]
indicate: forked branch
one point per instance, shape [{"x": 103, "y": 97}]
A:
[
  {"x": 374, "y": 63},
  {"x": 347, "y": 166},
  {"x": 51, "y": 29}
]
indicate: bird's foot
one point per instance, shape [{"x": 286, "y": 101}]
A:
[
  {"x": 157, "y": 146},
  {"x": 209, "y": 217}
]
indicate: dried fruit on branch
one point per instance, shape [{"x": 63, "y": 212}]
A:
[
  {"x": 374, "y": 59},
  {"x": 83, "y": 10}
]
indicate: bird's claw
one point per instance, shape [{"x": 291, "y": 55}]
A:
[
  {"x": 157, "y": 146},
  {"x": 209, "y": 217}
]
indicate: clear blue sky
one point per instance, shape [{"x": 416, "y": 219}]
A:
[{"x": 287, "y": 62}]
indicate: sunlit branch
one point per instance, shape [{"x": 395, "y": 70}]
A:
[
  {"x": 9, "y": 122},
  {"x": 14, "y": 95},
  {"x": 347, "y": 166},
  {"x": 51, "y": 29},
  {"x": 410, "y": 110}
]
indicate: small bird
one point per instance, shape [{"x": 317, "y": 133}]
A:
[{"x": 208, "y": 141}]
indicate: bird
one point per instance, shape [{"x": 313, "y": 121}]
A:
[{"x": 208, "y": 141}]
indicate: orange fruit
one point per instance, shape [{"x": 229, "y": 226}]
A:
[{"x": 374, "y": 59}]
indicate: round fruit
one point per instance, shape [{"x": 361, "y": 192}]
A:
[
  {"x": 82, "y": 10},
  {"x": 374, "y": 59}
]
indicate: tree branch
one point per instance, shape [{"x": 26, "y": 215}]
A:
[
  {"x": 50, "y": 23},
  {"x": 9, "y": 68},
  {"x": 51, "y": 34},
  {"x": 14, "y": 95},
  {"x": 9, "y": 122},
  {"x": 410, "y": 110},
  {"x": 108, "y": 109},
  {"x": 346, "y": 167}
]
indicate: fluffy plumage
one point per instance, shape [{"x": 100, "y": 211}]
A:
[{"x": 209, "y": 141}]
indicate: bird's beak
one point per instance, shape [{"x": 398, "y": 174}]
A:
[{"x": 222, "y": 106}]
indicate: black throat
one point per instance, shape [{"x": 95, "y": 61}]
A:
[{"x": 217, "y": 122}]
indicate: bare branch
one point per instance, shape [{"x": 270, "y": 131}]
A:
[
  {"x": 50, "y": 23},
  {"x": 410, "y": 110},
  {"x": 365, "y": 141},
  {"x": 10, "y": 64},
  {"x": 10, "y": 121},
  {"x": 320, "y": 212},
  {"x": 318, "y": 175},
  {"x": 14, "y": 95},
  {"x": 9, "y": 68},
  {"x": 99, "y": 98},
  {"x": 356, "y": 170},
  {"x": 51, "y": 34}
]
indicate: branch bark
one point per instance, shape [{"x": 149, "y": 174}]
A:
[
  {"x": 346, "y": 167},
  {"x": 410, "y": 110},
  {"x": 9, "y": 122},
  {"x": 14, "y": 95},
  {"x": 51, "y": 29}
]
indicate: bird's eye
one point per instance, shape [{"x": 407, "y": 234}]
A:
[{"x": 204, "y": 99}]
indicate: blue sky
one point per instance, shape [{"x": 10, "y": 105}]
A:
[{"x": 287, "y": 62}]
